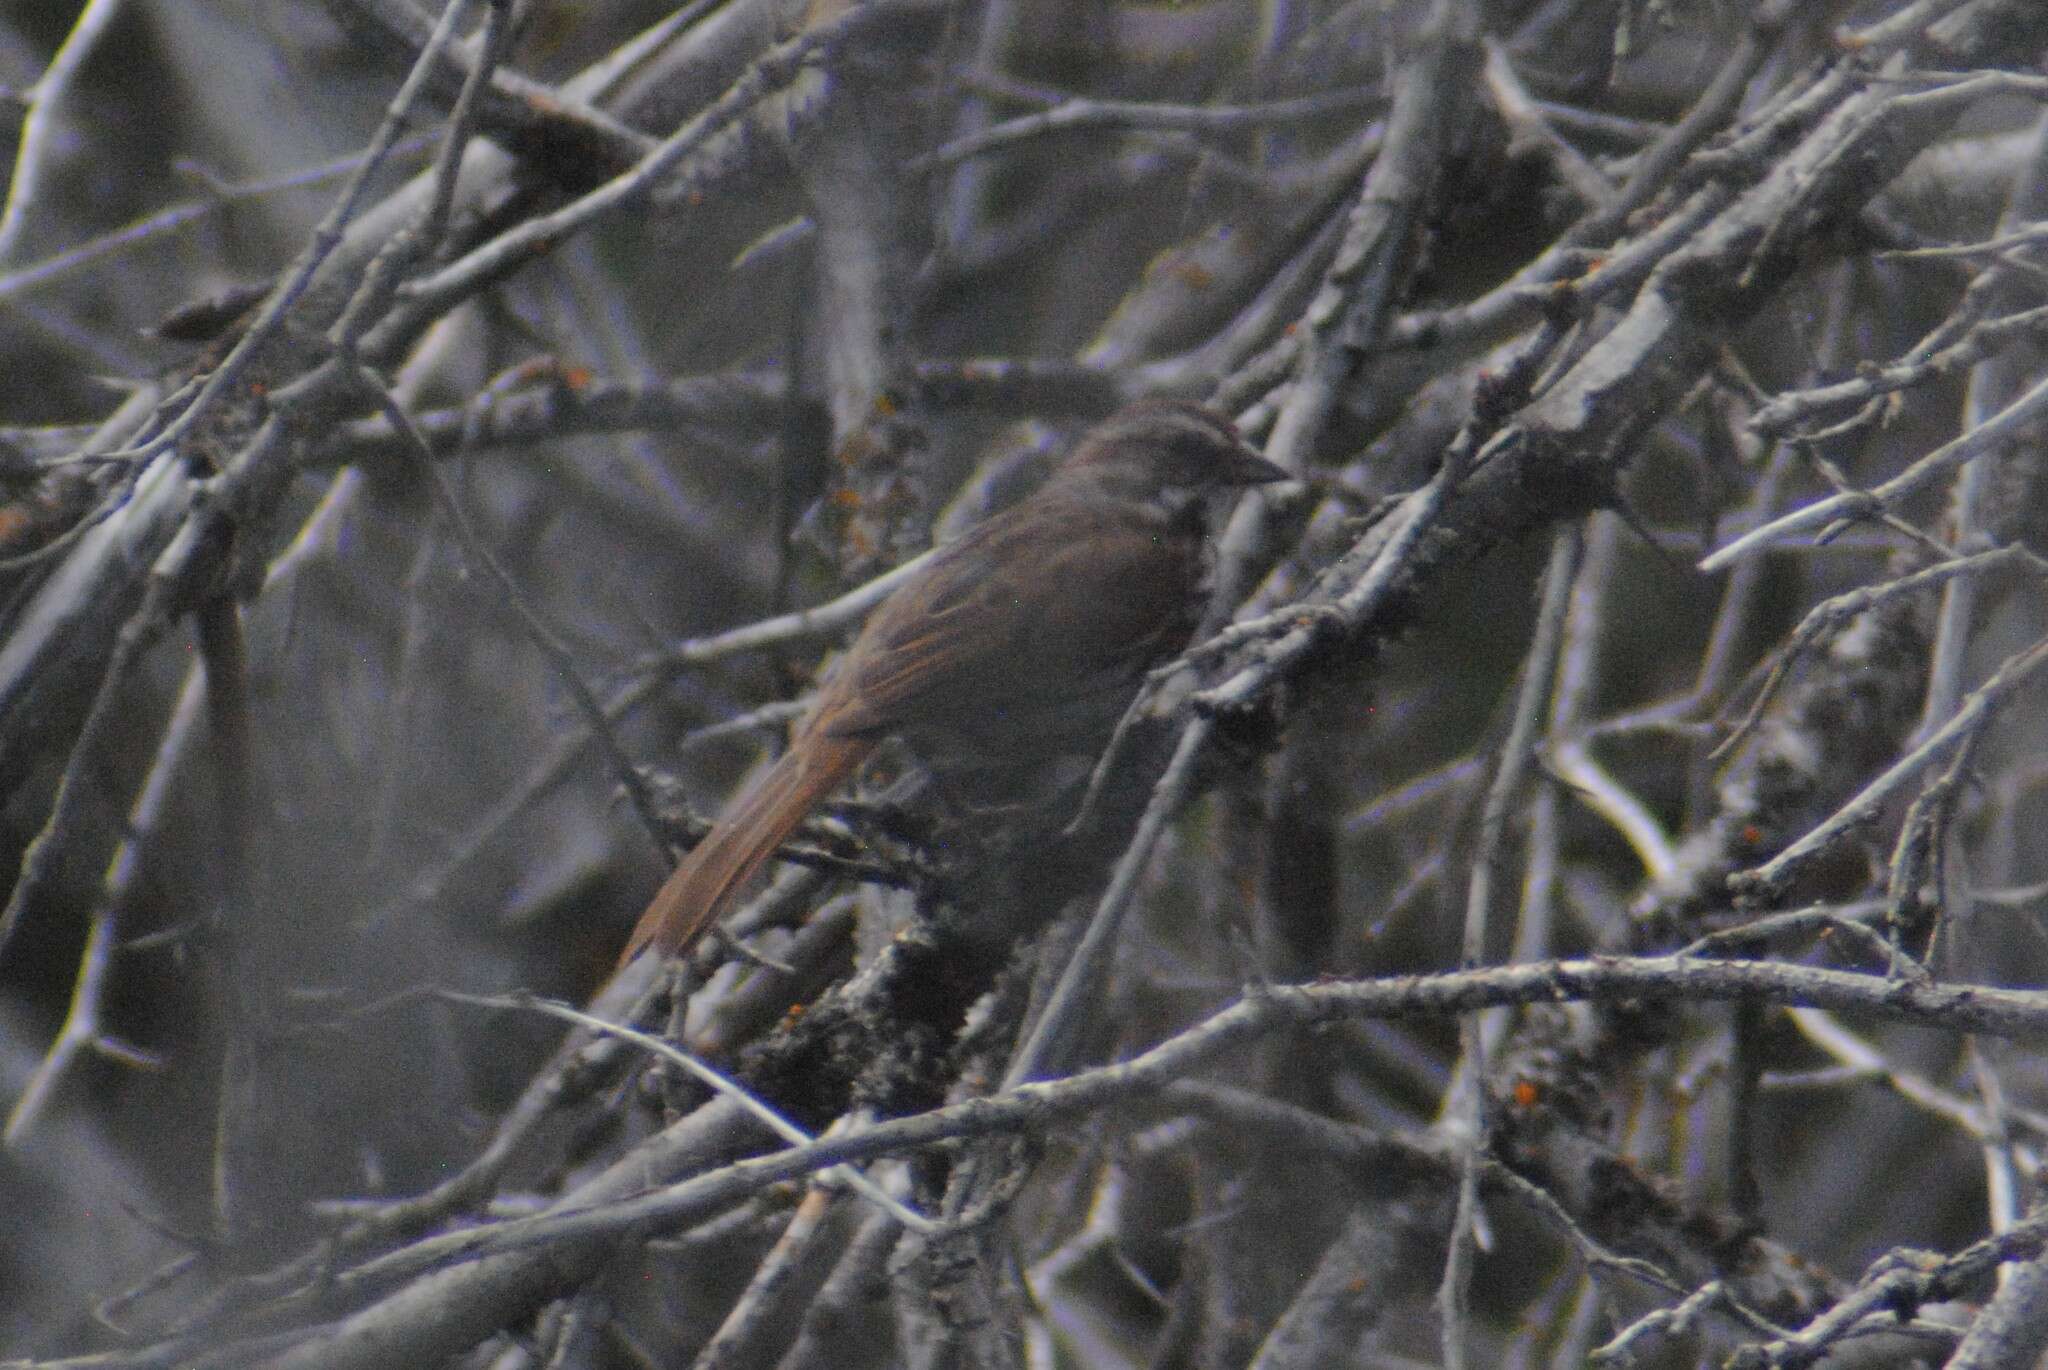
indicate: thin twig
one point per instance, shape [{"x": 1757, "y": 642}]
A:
[
  {"x": 39, "y": 130},
  {"x": 320, "y": 244},
  {"x": 430, "y": 296},
  {"x": 537, "y": 631},
  {"x": 2008, "y": 423},
  {"x": 716, "y": 1080},
  {"x": 1839, "y": 609},
  {"x": 1077, "y": 114},
  {"x": 80, "y": 1033},
  {"x": 1976, "y": 712}
]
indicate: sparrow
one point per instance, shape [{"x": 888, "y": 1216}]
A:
[{"x": 1022, "y": 641}]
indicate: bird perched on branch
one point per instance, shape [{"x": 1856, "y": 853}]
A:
[{"x": 1022, "y": 641}]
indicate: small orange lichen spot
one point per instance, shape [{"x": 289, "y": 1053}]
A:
[
  {"x": 1526, "y": 1094},
  {"x": 1358, "y": 1285},
  {"x": 258, "y": 389},
  {"x": 577, "y": 377},
  {"x": 845, "y": 498},
  {"x": 885, "y": 405},
  {"x": 1751, "y": 834},
  {"x": 696, "y": 197},
  {"x": 1195, "y": 275}
]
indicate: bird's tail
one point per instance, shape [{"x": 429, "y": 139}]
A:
[{"x": 744, "y": 837}]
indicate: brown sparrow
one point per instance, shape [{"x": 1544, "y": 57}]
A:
[{"x": 1022, "y": 641}]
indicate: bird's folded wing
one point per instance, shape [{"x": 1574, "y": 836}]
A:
[{"x": 1018, "y": 607}]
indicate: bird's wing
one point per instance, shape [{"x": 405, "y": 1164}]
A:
[{"x": 1017, "y": 607}]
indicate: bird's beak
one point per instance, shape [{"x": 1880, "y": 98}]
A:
[{"x": 1246, "y": 467}]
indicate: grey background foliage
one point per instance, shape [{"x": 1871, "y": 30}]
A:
[{"x": 1581, "y": 900}]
